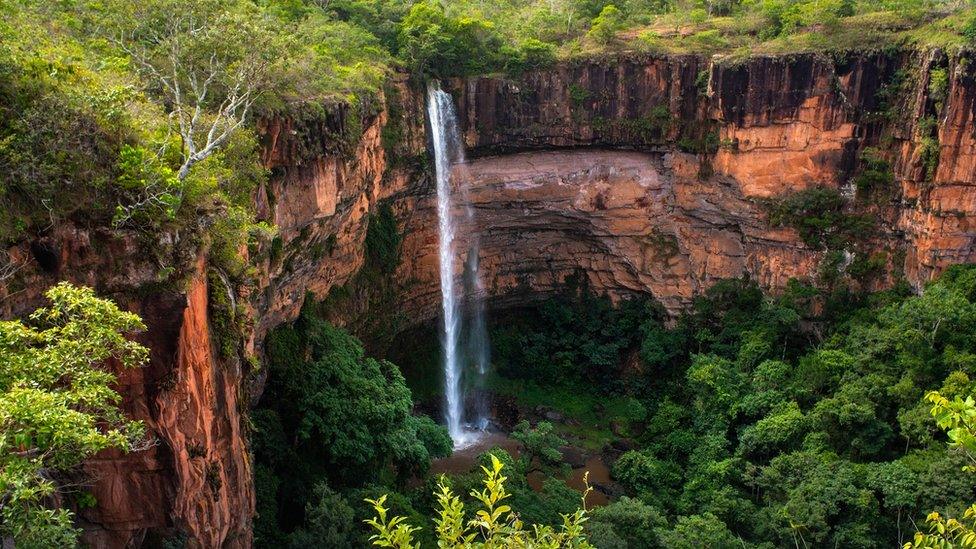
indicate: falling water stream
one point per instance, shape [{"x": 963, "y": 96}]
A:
[{"x": 464, "y": 337}]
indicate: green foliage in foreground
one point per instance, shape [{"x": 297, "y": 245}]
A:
[
  {"x": 496, "y": 524},
  {"x": 331, "y": 421},
  {"x": 58, "y": 407},
  {"x": 958, "y": 418}
]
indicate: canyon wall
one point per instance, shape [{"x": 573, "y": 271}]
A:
[
  {"x": 194, "y": 482},
  {"x": 709, "y": 147},
  {"x": 649, "y": 174}
]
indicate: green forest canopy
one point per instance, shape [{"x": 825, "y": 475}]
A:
[{"x": 751, "y": 428}]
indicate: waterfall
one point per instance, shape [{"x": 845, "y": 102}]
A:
[{"x": 464, "y": 337}]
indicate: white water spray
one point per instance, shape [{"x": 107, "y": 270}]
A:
[{"x": 472, "y": 349}]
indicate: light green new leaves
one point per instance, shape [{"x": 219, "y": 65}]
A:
[
  {"x": 495, "y": 525},
  {"x": 958, "y": 418},
  {"x": 57, "y": 406}
]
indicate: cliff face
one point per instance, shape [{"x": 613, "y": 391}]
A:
[
  {"x": 650, "y": 174},
  {"x": 553, "y": 193},
  {"x": 320, "y": 198},
  {"x": 195, "y": 482},
  {"x": 647, "y": 174}
]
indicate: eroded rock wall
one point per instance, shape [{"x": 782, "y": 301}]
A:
[
  {"x": 718, "y": 140},
  {"x": 634, "y": 222},
  {"x": 194, "y": 482},
  {"x": 320, "y": 197}
]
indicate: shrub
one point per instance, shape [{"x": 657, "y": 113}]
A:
[
  {"x": 496, "y": 524},
  {"x": 382, "y": 243},
  {"x": 929, "y": 152},
  {"x": 59, "y": 406},
  {"x": 938, "y": 86},
  {"x": 876, "y": 178},
  {"x": 606, "y": 25},
  {"x": 969, "y": 30},
  {"x": 818, "y": 215},
  {"x": 649, "y": 41}
]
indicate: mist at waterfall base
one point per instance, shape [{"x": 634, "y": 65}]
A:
[{"x": 464, "y": 337}]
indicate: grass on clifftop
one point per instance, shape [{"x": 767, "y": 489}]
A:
[
  {"x": 526, "y": 34},
  {"x": 750, "y": 33}
]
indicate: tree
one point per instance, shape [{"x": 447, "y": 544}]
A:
[
  {"x": 606, "y": 25},
  {"x": 58, "y": 407},
  {"x": 435, "y": 44},
  {"x": 346, "y": 408},
  {"x": 331, "y": 415},
  {"x": 209, "y": 60},
  {"x": 654, "y": 480},
  {"x": 541, "y": 443},
  {"x": 698, "y": 532},
  {"x": 494, "y": 525},
  {"x": 210, "y": 63},
  {"x": 329, "y": 522},
  {"x": 628, "y": 520},
  {"x": 9, "y": 265}
]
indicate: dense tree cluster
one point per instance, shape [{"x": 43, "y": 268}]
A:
[
  {"x": 332, "y": 422},
  {"x": 767, "y": 425}
]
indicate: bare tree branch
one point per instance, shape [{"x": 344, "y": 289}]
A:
[
  {"x": 189, "y": 86},
  {"x": 208, "y": 84},
  {"x": 9, "y": 266}
]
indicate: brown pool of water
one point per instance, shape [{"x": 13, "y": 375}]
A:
[
  {"x": 466, "y": 459},
  {"x": 599, "y": 475}
]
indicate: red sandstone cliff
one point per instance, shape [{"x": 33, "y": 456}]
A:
[
  {"x": 195, "y": 482},
  {"x": 553, "y": 193}
]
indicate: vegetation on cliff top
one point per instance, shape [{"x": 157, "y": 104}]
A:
[
  {"x": 435, "y": 38},
  {"x": 139, "y": 116}
]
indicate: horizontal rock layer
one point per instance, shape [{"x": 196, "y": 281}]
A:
[{"x": 633, "y": 222}]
